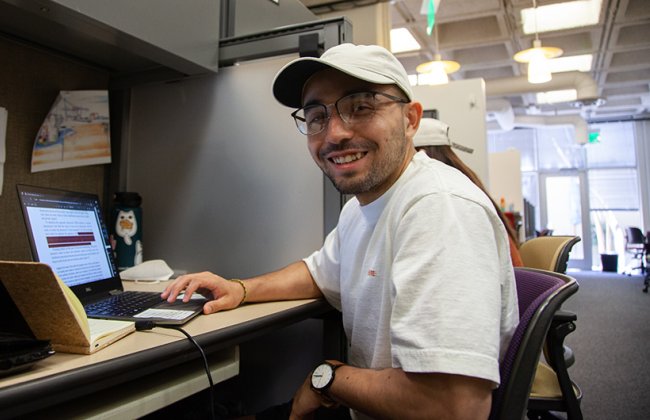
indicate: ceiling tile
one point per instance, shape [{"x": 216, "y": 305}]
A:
[
  {"x": 632, "y": 35},
  {"x": 571, "y": 43},
  {"x": 475, "y": 30},
  {"x": 490, "y": 73},
  {"x": 630, "y": 58},
  {"x": 488, "y": 53},
  {"x": 637, "y": 9},
  {"x": 626, "y": 90},
  {"x": 628, "y": 76}
]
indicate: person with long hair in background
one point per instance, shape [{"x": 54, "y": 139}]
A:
[{"x": 433, "y": 138}]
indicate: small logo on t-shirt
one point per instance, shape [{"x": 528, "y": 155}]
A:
[{"x": 372, "y": 273}]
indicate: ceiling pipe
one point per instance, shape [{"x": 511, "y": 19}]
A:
[
  {"x": 583, "y": 83},
  {"x": 502, "y": 112},
  {"x": 576, "y": 121}
]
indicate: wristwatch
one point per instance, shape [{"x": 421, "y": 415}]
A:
[{"x": 323, "y": 376}]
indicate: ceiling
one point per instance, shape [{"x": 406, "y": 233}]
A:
[{"x": 483, "y": 35}]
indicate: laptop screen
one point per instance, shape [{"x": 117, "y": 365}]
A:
[{"x": 67, "y": 232}]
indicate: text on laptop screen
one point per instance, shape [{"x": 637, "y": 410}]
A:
[{"x": 67, "y": 233}]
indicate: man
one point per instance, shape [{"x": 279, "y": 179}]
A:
[{"x": 418, "y": 263}]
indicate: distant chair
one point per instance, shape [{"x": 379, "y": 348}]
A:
[
  {"x": 541, "y": 294},
  {"x": 548, "y": 252},
  {"x": 635, "y": 245}
]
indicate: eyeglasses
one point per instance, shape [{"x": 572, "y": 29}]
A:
[{"x": 353, "y": 109}]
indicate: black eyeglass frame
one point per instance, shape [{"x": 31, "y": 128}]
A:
[{"x": 298, "y": 120}]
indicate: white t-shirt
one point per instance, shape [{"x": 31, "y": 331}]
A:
[{"x": 422, "y": 276}]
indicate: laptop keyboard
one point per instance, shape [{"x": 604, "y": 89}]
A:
[{"x": 123, "y": 304}]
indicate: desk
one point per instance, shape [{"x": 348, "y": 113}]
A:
[{"x": 146, "y": 370}]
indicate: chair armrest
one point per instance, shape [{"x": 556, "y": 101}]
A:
[
  {"x": 559, "y": 318},
  {"x": 559, "y": 356},
  {"x": 564, "y": 316}
]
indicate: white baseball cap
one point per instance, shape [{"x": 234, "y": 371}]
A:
[
  {"x": 370, "y": 63},
  {"x": 434, "y": 132}
]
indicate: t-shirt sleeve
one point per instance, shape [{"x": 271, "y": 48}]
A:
[
  {"x": 447, "y": 293},
  {"x": 324, "y": 266}
]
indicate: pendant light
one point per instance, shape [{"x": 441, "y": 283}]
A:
[
  {"x": 539, "y": 70},
  {"x": 436, "y": 72}
]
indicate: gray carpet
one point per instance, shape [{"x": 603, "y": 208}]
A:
[{"x": 611, "y": 345}]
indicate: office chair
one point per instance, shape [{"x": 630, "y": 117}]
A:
[
  {"x": 549, "y": 253},
  {"x": 541, "y": 294},
  {"x": 635, "y": 245}
]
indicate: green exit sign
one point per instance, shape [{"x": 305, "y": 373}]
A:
[{"x": 594, "y": 137}]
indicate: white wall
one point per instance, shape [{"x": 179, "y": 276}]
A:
[
  {"x": 505, "y": 181},
  {"x": 461, "y": 105}
]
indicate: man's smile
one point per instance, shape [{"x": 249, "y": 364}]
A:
[{"x": 343, "y": 159}]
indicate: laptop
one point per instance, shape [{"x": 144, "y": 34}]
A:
[{"x": 66, "y": 231}]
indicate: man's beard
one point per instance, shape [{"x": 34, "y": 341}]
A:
[{"x": 382, "y": 168}]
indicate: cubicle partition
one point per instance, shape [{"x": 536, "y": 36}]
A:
[{"x": 228, "y": 185}]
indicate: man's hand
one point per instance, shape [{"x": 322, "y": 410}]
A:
[
  {"x": 224, "y": 294},
  {"x": 305, "y": 402}
]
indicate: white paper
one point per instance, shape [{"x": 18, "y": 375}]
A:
[
  {"x": 101, "y": 327},
  {"x": 3, "y": 140}
]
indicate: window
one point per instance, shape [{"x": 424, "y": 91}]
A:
[
  {"x": 608, "y": 167},
  {"x": 615, "y": 147}
]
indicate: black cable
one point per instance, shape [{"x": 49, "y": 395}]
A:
[{"x": 148, "y": 325}]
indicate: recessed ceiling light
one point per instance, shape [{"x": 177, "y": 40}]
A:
[
  {"x": 553, "y": 17},
  {"x": 402, "y": 40},
  {"x": 556, "y": 96}
]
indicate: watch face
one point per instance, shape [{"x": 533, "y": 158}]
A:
[{"x": 322, "y": 376}]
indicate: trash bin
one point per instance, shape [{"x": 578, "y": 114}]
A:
[{"x": 610, "y": 262}]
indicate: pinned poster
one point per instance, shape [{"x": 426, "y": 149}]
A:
[{"x": 76, "y": 132}]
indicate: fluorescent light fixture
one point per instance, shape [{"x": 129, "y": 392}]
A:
[
  {"x": 556, "y": 96},
  {"x": 553, "y": 17},
  {"x": 402, "y": 40},
  {"x": 571, "y": 63}
]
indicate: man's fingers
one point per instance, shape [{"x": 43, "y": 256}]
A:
[{"x": 173, "y": 290}]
